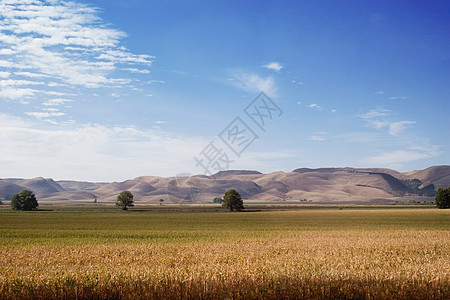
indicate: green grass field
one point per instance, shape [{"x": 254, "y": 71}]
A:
[{"x": 155, "y": 254}]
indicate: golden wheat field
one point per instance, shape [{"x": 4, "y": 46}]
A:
[{"x": 303, "y": 254}]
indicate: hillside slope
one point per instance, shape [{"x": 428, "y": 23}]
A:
[{"x": 323, "y": 185}]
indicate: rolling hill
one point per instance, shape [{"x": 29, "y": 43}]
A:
[{"x": 323, "y": 185}]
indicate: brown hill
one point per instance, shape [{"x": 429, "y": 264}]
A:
[
  {"x": 40, "y": 186},
  {"x": 7, "y": 190},
  {"x": 323, "y": 185},
  {"x": 80, "y": 185},
  {"x": 437, "y": 175}
]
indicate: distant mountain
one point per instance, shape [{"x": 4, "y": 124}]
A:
[{"x": 322, "y": 185}]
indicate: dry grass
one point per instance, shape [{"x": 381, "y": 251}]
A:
[{"x": 364, "y": 255}]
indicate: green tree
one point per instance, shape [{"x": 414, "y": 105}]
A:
[
  {"x": 125, "y": 200},
  {"x": 442, "y": 198},
  {"x": 233, "y": 200},
  {"x": 217, "y": 200},
  {"x": 25, "y": 200}
]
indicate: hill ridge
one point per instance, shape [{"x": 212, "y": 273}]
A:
[{"x": 320, "y": 185}]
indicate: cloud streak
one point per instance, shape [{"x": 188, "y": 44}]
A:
[
  {"x": 253, "y": 83},
  {"x": 62, "y": 41},
  {"x": 380, "y": 119},
  {"x": 396, "y": 157}
]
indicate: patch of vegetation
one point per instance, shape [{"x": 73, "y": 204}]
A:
[{"x": 415, "y": 187}]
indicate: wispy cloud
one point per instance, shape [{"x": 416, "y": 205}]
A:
[
  {"x": 56, "y": 102},
  {"x": 64, "y": 43},
  {"x": 41, "y": 115},
  {"x": 136, "y": 70},
  {"x": 374, "y": 113},
  {"x": 273, "y": 66},
  {"x": 396, "y": 157},
  {"x": 297, "y": 82},
  {"x": 380, "y": 119},
  {"x": 396, "y": 128},
  {"x": 17, "y": 93},
  {"x": 318, "y": 136},
  {"x": 253, "y": 83},
  {"x": 399, "y": 98}
]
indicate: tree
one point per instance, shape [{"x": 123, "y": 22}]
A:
[
  {"x": 233, "y": 200},
  {"x": 25, "y": 200},
  {"x": 442, "y": 198},
  {"x": 125, "y": 200},
  {"x": 217, "y": 200}
]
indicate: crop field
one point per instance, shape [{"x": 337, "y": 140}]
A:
[{"x": 297, "y": 254}]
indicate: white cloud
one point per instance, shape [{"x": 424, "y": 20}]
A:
[
  {"x": 318, "y": 138},
  {"x": 16, "y": 93},
  {"x": 374, "y": 113},
  {"x": 399, "y": 98},
  {"x": 54, "y": 84},
  {"x": 333, "y": 111},
  {"x": 273, "y": 66},
  {"x": 6, "y": 63},
  {"x": 379, "y": 93},
  {"x": 12, "y": 82},
  {"x": 397, "y": 128},
  {"x": 52, "y": 109},
  {"x": 6, "y": 51},
  {"x": 65, "y": 41},
  {"x": 156, "y": 81},
  {"x": 378, "y": 119},
  {"x": 135, "y": 70},
  {"x": 53, "y": 93},
  {"x": 314, "y": 105},
  {"x": 298, "y": 82},
  {"x": 30, "y": 74},
  {"x": 41, "y": 115},
  {"x": 253, "y": 83},
  {"x": 4, "y": 74}
]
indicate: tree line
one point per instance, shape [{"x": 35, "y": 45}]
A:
[{"x": 26, "y": 200}]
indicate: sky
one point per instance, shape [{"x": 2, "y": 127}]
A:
[{"x": 98, "y": 90}]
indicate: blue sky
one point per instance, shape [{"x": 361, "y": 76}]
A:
[{"x": 112, "y": 90}]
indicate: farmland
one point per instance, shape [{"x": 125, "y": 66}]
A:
[{"x": 309, "y": 253}]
